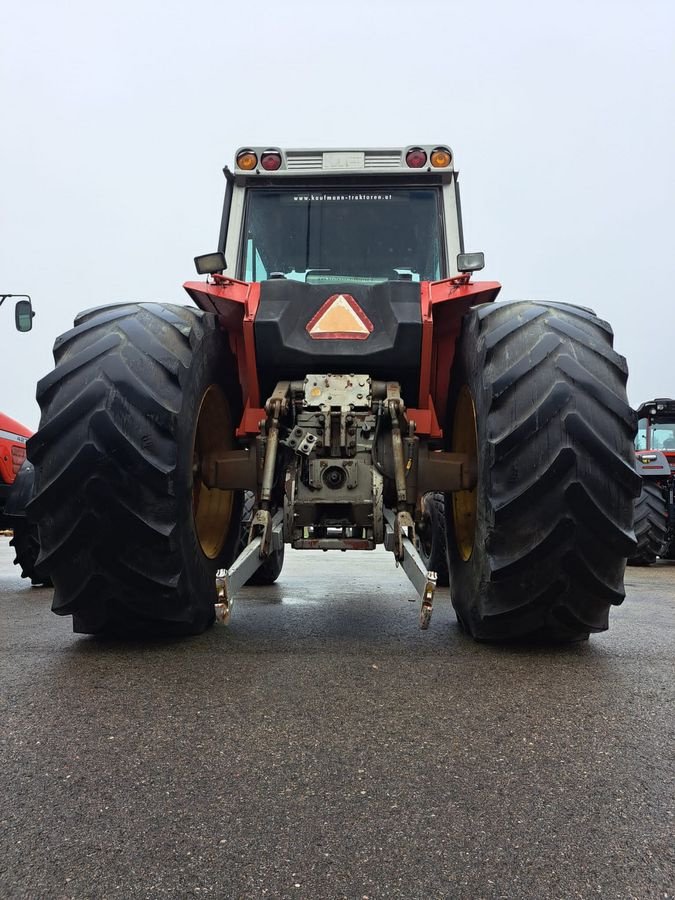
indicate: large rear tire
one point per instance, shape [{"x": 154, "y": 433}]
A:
[
  {"x": 539, "y": 547},
  {"x": 651, "y": 515},
  {"x": 141, "y": 396}
]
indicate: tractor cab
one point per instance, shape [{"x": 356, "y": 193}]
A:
[
  {"x": 335, "y": 216},
  {"x": 343, "y": 254},
  {"x": 339, "y": 241},
  {"x": 656, "y": 426}
]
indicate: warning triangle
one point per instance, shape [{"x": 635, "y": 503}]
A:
[{"x": 340, "y": 317}]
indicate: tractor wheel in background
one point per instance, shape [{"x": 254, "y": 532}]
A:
[
  {"x": 26, "y": 545},
  {"x": 432, "y": 544},
  {"x": 538, "y": 548},
  {"x": 142, "y": 395},
  {"x": 651, "y": 516},
  {"x": 270, "y": 570}
]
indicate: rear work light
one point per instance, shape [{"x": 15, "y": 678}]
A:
[
  {"x": 416, "y": 158},
  {"x": 440, "y": 158},
  {"x": 270, "y": 160},
  {"x": 247, "y": 160}
]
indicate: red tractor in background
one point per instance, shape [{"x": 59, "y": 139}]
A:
[
  {"x": 16, "y": 473},
  {"x": 655, "y": 507},
  {"x": 343, "y": 372},
  {"x": 15, "y": 486}
]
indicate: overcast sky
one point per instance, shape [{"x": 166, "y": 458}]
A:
[{"x": 118, "y": 117}]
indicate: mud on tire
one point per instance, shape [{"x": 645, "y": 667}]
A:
[
  {"x": 116, "y": 494},
  {"x": 650, "y": 525},
  {"x": 539, "y": 548}
]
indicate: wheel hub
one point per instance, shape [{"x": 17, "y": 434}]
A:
[
  {"x": 212, "y": 508},
  {"x": 464, "y": 503}
]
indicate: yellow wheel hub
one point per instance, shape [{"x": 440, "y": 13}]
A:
[
  {"x": 211, "y": 507},
  {"x": 464, "y": 503}
]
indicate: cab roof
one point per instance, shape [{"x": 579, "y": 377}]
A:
[
  {"x": 276, "y": 162},
  {"x": 661, "y": 406}
]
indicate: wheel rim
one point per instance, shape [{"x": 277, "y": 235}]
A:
[
  {"x": 464, "y": 503},
  {"x": 211, "y": 507}
]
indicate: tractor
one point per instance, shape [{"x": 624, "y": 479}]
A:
[
  {"x": 16, "y": 473},
  {"x": 13, "y": 496},
  {"x": 655, "y": 507},
  {"x": 343, "y": 377}
]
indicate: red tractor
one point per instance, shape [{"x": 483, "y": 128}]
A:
[
  {"x": 15, "y": 485},
  {"x": 655, "y": 507},
  {"x": 341, "y": 370},
  {"x": 16, "y": 474}
]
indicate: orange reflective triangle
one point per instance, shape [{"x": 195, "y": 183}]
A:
[{"x": 340, "y": 317}]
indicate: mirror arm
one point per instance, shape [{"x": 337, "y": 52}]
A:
[{"x": 4, "y": 297}]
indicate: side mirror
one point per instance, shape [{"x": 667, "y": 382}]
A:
[
  {"x": 210, "y": 263},
  {"x": 470, "y": 262},
  {"x": 23, "y": 315}
]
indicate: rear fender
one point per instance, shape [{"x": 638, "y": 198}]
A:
[
  {"x": 235, "y": 303},
  {"x": 444, "y": 304},
  {"x": 9, "y": 460},
  {"x": 652, "y": 464},
  {"x": 13, "y": 437}
]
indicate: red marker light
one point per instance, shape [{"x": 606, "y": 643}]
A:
[
  {"x": 270, "y": 161},
  {"x": 416, "y": 158}
]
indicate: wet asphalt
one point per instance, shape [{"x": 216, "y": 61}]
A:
[{"x": 322, "y": 746}]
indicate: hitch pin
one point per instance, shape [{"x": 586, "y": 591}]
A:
[{"x": 428, "y": 600}]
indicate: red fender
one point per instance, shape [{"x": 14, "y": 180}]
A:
[
  {"x": 13, "y": 437},
  {"x": 443, "y": 303}
]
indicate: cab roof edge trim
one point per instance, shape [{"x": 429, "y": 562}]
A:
[{"x": 343, "y": 160}]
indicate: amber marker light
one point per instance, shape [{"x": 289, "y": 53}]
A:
[
  {"x": 247, "y": 160},
  {"x": 440, "y": 158}
]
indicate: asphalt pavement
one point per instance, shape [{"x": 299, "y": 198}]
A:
[{"x": 322, "y": 746}]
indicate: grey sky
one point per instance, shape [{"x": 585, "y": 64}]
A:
[{"x": 117, "y": 119}]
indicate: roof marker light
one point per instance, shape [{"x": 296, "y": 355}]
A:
[
  {"x": 270, "y": 160},
  {"x": 416, "y": 158},
  {"x": 247, "y": 160},
  {"x": 440, "y": 158}
]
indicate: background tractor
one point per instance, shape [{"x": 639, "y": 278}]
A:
[
  {"x": 344, "y": 376},
  {"x": 16, "y": 481},
  {"x": 16, "y": 474},
  {"x": 655, "y": 507}
]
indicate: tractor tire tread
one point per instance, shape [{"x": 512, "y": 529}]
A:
[
  {"x": 26, "y": 546},
  {"x": 558, "y": 470},
  {"x": 651, "y": 529},
  {"x": 107, "y": 462}
]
